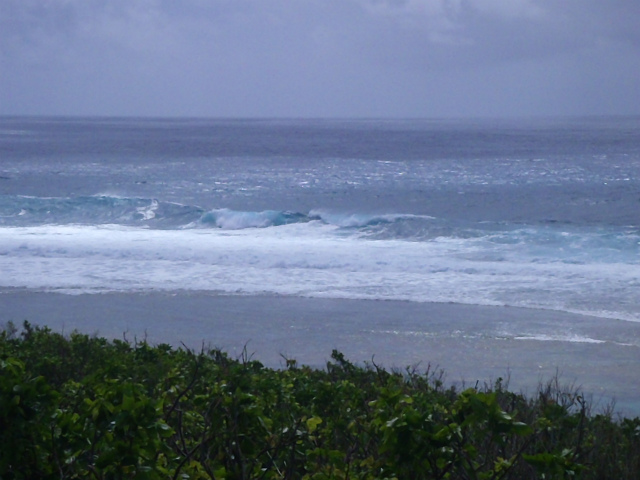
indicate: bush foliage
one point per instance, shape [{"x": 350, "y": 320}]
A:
[{"x": 84, "y": 407}]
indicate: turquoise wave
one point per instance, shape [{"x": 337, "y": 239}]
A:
[{"x": 563, "y": 242}]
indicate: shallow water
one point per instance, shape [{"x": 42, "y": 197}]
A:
[{"x": 470, "y": 343}]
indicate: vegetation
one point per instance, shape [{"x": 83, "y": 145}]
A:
[{"x": 87, "y": 407}]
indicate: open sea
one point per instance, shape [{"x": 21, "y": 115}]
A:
[
  {"x": 541, "y": 214},
  {"x": 538, "y": 213}
]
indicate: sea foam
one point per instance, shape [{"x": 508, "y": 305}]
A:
[{"x": 310, "y": 259}]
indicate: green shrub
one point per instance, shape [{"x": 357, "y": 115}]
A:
[{"x": 85, "y": 407}]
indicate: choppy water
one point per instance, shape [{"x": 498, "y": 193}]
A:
[{"x": 527, "y": 213}]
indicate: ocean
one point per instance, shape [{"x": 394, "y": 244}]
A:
[{"x": 535, "y": 214}]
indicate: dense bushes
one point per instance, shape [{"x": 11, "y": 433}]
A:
[{"x": 84, "y": 407}]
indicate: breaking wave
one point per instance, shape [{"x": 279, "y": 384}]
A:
[
  {"x": 489, "y": 241},
  {"x": 93, "y": 210},
  {"x": 21, "y": 210},
  {"x": 98, "y": 243}
]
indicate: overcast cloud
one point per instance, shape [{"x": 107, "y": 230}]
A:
[{"x": 320, "y": 58}]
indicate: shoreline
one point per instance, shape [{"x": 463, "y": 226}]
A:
[{"x": 469, "y": 343}]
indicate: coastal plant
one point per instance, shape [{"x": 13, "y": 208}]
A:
[{"x": 80, "y": 406}]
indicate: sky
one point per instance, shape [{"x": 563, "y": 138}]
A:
[{"x": 320, "y": 58}]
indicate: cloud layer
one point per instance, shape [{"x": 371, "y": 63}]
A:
[{"x": 319, "y": 57}]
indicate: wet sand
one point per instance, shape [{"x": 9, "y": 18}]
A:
[{"x": 470, "y": 343}]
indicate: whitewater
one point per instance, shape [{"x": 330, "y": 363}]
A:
[{"x": 256, "y": 254}]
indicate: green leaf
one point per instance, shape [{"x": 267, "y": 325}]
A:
[{"x": 312, "y": 423}]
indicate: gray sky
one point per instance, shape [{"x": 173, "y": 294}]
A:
[{"x": 320, "y": 58}]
